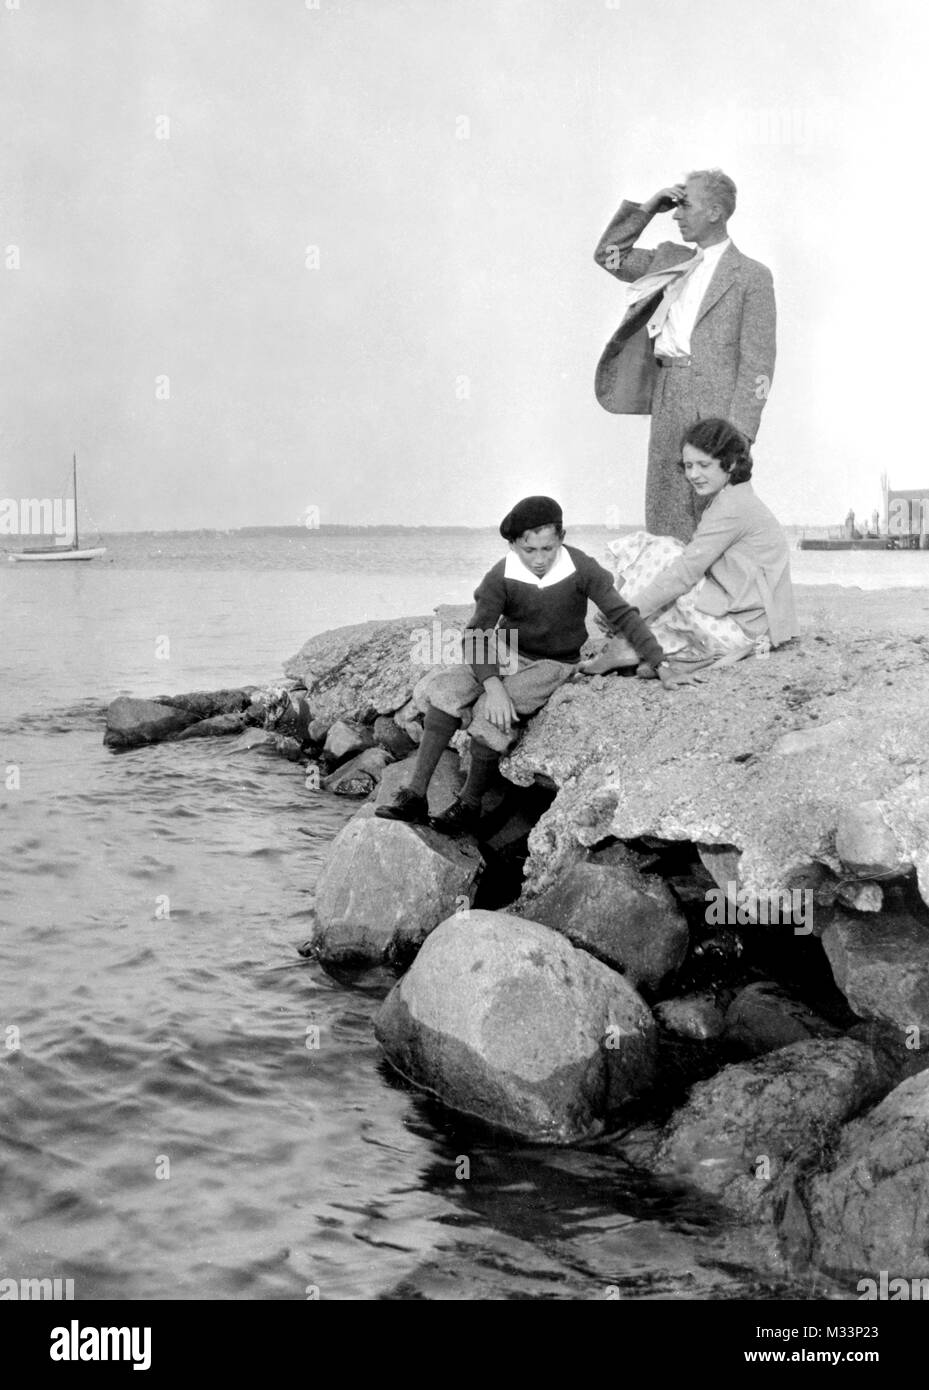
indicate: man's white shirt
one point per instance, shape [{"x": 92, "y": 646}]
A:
[{"x": 674, "y": 338}]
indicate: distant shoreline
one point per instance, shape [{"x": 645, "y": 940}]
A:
[{"x": 376, "y": 529}]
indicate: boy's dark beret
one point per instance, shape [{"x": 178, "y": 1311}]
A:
[{"x": 528, "y": 515}]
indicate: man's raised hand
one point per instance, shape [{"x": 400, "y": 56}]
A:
[{"x": 664, "y": 200}]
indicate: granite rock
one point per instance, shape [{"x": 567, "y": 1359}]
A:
[
  {"x": 694, "y": 1016},
  {"x": 861, "y": 897},
  {"x": 503, "y": 1019},
  {"x": 217, "y": 726},
  {"x": 385, "y": 885},
  {"x": 370, "y": 668},
  {"x": 763, "y": 1016},
  {"x": 881, "y": 965},
  {"x": 344, "y": 739},
  {"x": 746, "y": 1133},
  {"x": 444, "y": 786},
  {"x": 131, "y": 723},
  {"x": 359, "y": 775},
  {"x": 206, "y": 704},
  {"x": 866, "y": 844},
  {"x": 870, "y": 1211},
  {"x": 388, "y": 734},
  {"x": 627, "y": 919},
  {"x": 707, "y": 764}
]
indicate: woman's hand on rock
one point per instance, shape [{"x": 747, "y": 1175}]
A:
[
  {"x": 668, "y": 679},
  {"x": 685, "y": 678}
]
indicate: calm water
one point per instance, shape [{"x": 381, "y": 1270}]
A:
[{"x": 167, "y": 1133}]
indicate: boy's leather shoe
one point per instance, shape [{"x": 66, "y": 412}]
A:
[
  {"x": 458, "y": 819},
  {"x": 406, "y": 805}
]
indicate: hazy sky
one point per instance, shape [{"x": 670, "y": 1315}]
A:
[{"x": 454, "y": 162}]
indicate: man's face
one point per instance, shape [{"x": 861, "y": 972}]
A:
[{"x": 693, "y": 215}]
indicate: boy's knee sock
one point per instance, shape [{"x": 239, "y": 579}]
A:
[
  {"x": 483, "y": 768},
  {"x": 438, "y": 728}
]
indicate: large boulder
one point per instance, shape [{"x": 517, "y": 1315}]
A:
[
  {"x": 746, "y": 1131},
  {"x": 385, "y": 885},
  {"x": 503, "y": 1019},
  {"x": 870, "y": 1212},
  {"x": 371, "y": 668},
  {"x": 711, "y": 766},
  {"x": 881, "y": 965},
  {"x": 625, "y": 918},
  {"x": 445, "y": 784},
  {"x": 131, "y": 723}
]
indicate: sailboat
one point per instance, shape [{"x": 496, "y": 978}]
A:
[{"x": 62, "y": 552}]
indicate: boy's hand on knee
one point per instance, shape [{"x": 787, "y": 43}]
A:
[{"x": 500, "y": 709}]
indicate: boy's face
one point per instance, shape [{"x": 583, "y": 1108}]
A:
[{"x": 538, "y": 549}]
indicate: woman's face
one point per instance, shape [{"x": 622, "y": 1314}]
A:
[
  {"x": 705, "y": 474},
  {"x": 538, "y": 549}
]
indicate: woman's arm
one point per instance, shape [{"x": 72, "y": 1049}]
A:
[
  {"x": 621, "y": 616},
  {"x": 720, "y": 526}
]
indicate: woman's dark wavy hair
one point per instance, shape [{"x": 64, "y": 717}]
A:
[{"x": 724, "y": 443}]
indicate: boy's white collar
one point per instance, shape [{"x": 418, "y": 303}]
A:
[{"x": 561, "y": 569}]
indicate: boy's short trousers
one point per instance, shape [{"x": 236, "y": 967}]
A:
[{"x": 457, "y": 691}]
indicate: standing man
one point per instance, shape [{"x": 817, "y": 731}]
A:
[{"x": 698, "y": 337}]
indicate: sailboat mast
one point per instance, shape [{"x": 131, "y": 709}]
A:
[{"x": 74, "y": 462}]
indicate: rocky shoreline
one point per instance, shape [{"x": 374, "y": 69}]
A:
[{"x": 695, "y": 931}]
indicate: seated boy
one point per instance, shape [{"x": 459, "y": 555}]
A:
[{"x": 523, "y": 641}]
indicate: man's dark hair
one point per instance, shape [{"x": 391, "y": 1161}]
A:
[{"x": 724, "y": 443}]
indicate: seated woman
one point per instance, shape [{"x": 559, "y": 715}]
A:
[{"x": 728, "y": 592}]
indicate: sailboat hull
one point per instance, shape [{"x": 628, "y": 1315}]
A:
[{"x": 58, "y": 553}]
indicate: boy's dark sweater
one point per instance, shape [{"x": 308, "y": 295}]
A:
[{"x": 551, "y": 623}]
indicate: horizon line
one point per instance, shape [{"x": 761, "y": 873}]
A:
[{"x": 297, "y": 530}]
